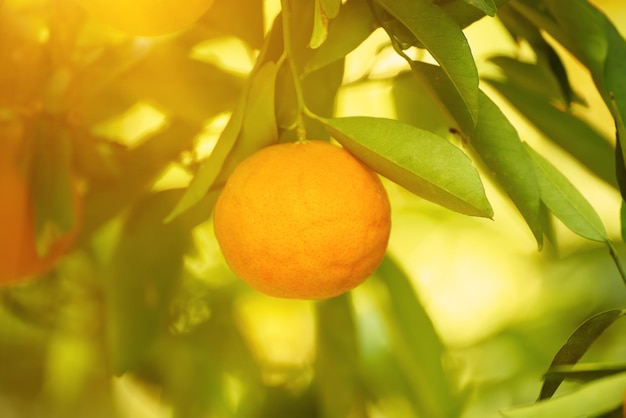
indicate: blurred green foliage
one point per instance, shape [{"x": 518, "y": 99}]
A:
[{"x": 462, "y": 319}]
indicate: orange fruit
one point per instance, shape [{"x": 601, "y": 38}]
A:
[
  {"x": 18, "y": 255},
  {"x": 147, "y": 17},
  {"x": 303, "y": 220}
]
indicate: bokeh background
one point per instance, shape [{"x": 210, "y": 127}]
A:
[{"x": 501, "y": 307}]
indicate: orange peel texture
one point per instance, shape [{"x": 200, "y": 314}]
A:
[{"x": 303, "y": 220}]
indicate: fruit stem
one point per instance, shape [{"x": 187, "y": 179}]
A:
[{"x": 287, "y": 42}]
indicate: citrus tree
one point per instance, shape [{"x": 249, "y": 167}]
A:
[{"x": 190, "y": 190}]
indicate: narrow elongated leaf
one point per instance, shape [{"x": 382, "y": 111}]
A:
[
  {"x": 418, "y": 160},
  {"x": 500, "y": 148},
  {"x": 622, "y": 217},
  {"x": 577, "y": 345},
  {"x": 337, "y": 359},
  {"x": 465, "y": 14},
  {"x": 417, "y": 346},
  {"x": 331, "y": 7},
  {"x": 449, "y": 99},
  {"x": 567, "y": 131},
  {"x": 620, "y": 162},
  {"x": 140, "y": 283},
  {"x": 565, "y": 201},
  {"x": 253, "y": 112},
  {"x": 584, "y": 372},
  {"x": 578, "y": 28},
  {"x": 138, "y": 169},
  {"x": 487, "y": 6},
  {"x": 547, "y": 58},
  {"x": 194, "y": 385},
  {"x": 325, "y": 11},
  {"x": 519, "y": 27},
  {"x": 240, "y": 18},
  {"x": 495, "y": 140},
  {"x": 592, "y": 400},
  {"x": 533, "y": 77},
  {"x": 620, "y": 173},
  {"x": 594, "y": 40},
  {"x": 184, "y": 87},
  {"x": 52, "y": 183},
  {"x": 320, "y": 26},
  {"x": 615, "y": 86},
  {"x": 415, "y": 106},
  {"x": 443, "y": 38},
  {"x": 583, "y": 28},
  {"x": 592, "y": 37},
  {"x": 258, "y": 128},
  {"x": 349, "y": 29},
  {"x": 99, "y": 99}
]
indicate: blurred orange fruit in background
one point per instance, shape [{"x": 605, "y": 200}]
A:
[{"x": 19, "y": 259}]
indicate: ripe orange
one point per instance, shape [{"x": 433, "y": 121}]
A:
[
  {"x": 303, "y": 220},
  {"x": 18, "y": 256},
  {"x": 147, "y": 17}
]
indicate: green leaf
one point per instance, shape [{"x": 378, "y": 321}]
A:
[
  {"x": 547, "y": 59},
  {"x": 320, "y": 90},
  {"x": 593, "y": 399},
  {"x": 325, "y": 11},
  {"x": 577, "y": 345},
  {"x": 443, "y": 38},
  {"x": 183, "y": 87},
  {"x": 622, "y": 217},
  {"x": 584, "y": 372},
  {"x": 519, "y": 27},
  {"x": 320, "y": 26},
  {"x": 331, "y": 7},
  {"x": 443, "y": 91},
  {"x": 615, "y": 87},
  {"x": 494, "y": 139},
  {"x": 565, "y": 201},
  {"x": 348, "y": 30},
  {"x": 139, "y": 168},
  {"x": 570, "y": 133},
  {"x": 583, "y": 30},
  {"x": 337, "y": 367},
  {"x": 258, "y": 128},
  {"x": 141, "y": 283},
  {"x": 547, "y": 223},
  {"x": 250, "y": 127},
  {"x": 498, "y": 144},
  {"x": 578, "y": 27},
  {"x": 620, "y": 161},
  {"x": 532, "y": 77},
  {"x": 100, "y": 98},
  {"x": 465, "y": 14},
  {"x": 414, "y": 105},
  {"x": 594, "y": 40},
  {"x": 417, "y": 346},
  {"x": 240, "y": 18},
  {"x": 418, "y": 160},
  {"x": 195, "y": 385},
  {"x": 487, "y": 6},
  {"x": 52, "y": 182}
]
